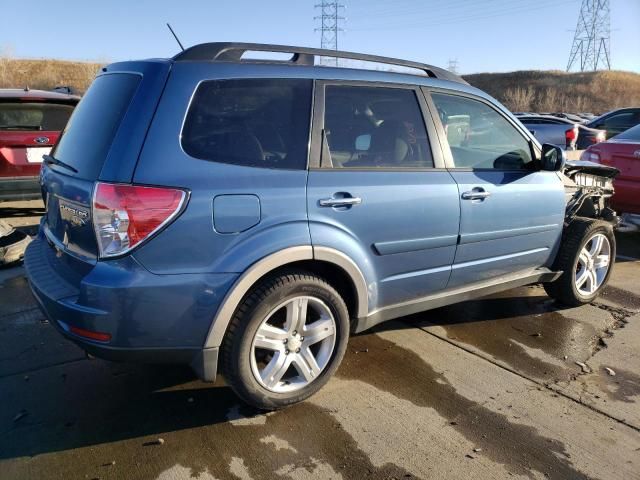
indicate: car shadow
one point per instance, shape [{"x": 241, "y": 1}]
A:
[
  {"x": 21, "y": 212},
  {"x": 92, "y": 402},
  {"x": 86, "y": 403}
]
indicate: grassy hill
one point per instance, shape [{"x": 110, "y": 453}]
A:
[
  {"x": 46, "y": 74},
  {"x": 542, "y": 91},
  {"x": 554, "y": 91}
]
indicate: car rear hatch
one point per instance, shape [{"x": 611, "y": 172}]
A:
[
  {"x": 28, "y": 129},
  {"x": 101, "y": 142}
]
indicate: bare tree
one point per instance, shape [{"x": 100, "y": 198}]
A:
[
  {"x": 548, "y": 100},
  {"x": 519, "y": 99},
  {"x": 6, "y": 53},
  {"x": 89, "y": 72}
]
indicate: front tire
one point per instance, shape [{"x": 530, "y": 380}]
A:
[
  {"x": 285, "y": 341},
  {"x": 586, "y": 257}
]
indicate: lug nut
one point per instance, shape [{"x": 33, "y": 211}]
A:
[
  {"x": 286, "y": 352},
  {"x": 298, "y": 350},
  {"x": 295, "y": 332},
  {"x": 285, "y": 340}
]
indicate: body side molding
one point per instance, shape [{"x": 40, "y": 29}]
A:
[
  {"x": 244, "y": 283},
  {"x": 456, "y": 295},
  {"x": 342, "y": 260}
]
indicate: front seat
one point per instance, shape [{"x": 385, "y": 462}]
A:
[{"x": 390, "y": 145}]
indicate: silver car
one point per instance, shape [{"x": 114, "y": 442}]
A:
[{"x": 561, "y": 131}]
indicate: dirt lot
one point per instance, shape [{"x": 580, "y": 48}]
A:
[{"x": 485, "y": 389}]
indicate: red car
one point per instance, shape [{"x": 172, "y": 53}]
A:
[
  {"x": 30, "y": 124},
  {"x": 622, "y": 152}
]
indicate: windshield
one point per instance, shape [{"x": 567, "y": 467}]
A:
[{"x": 34, "y": 116}]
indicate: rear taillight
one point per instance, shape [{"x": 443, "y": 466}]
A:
[
  {"x": 91, "y": 335},
  {"x": 590, "y": 156},
  {"x": 125, "y": 215},
  {"x": 571, "y": 135},
  {"x": 599, "y": 137}
]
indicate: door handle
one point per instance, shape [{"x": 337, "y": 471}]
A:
[
  {"x": 476, "y": 194},
  {"x": 340, "y": 202}
]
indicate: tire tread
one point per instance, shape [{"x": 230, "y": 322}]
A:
[
  {"x": 233, "y": 336},
  {"x": 563, "y": 288}
]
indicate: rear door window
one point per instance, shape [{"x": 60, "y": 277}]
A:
[
  {"x": 34, "y": 116},
  {"x": 250, "y": 122},
  {"x": 85, "y": 142},
  {"x": 375, "y": 127}
]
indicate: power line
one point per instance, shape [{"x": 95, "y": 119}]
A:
[
  {"x": 592, "y": 40},
  {"x": 330, "y": 21}
]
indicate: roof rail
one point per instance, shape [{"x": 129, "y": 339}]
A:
[{"x": 232, "y": 52}]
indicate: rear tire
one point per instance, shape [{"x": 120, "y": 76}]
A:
[
  {"x": 286, "y": 339},
  {"x": 586, "y": 257}
]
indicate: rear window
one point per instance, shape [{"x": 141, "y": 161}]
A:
[
  {"x": 85, "y": 142},
  {"x": 250, "y": 122},
  {"x": 631, "y": 134},
  {"x": 34, "y": 116}
]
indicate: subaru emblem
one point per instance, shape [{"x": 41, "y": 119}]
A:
[{"x": 42, "y": 140}]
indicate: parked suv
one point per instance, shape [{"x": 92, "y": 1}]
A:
[
  {"x": 251, "y": 214},
  {"x": 30, "y": 122}
]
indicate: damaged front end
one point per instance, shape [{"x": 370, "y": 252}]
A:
[{"x": 588, "y": 187}]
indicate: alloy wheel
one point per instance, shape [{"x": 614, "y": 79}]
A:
[
  {"x": 293, "y": 344},
  {"x": 593, "y": 265}
]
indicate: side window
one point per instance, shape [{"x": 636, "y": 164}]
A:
[
  {"x": 250, "y": 122},
  {"x": 375, "y": 127},
  {"x": 480, "y": 137}
]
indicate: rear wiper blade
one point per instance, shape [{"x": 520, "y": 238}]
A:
[{"x": 49, "y": 160}]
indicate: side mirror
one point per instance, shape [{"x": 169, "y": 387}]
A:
[{"x": 553, "y": 158}]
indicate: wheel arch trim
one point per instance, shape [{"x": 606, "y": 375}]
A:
[
  {"x": 271, "y": 262},
  {"x": 345, "y": 262}
]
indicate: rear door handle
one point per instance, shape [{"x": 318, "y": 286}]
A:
[
  {"x": 476, "y": 194},
  {"x": 340, "y": 202}
]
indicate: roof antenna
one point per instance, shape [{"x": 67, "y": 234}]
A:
[{"x": 175, "y": 36}]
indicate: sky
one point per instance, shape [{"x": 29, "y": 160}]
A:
[{"x": 482, "y": 35}]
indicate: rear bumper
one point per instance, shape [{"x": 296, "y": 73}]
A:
[
  {"x": 19, "y": 188},
  {"x": 150, "y": 318}
]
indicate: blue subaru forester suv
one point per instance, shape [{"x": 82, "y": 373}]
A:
[{"x": 245, "y": 216}]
